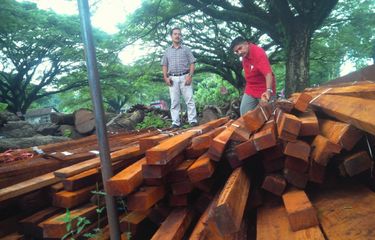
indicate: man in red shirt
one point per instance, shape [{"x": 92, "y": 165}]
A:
[{"x": 260, "y": 81}]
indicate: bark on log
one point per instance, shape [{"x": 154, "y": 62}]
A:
[{"x": 62, "y": 119}]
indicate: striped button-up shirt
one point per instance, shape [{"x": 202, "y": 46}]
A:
[{"x": 178, "y": 60}]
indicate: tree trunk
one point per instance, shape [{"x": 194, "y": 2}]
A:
[
  {"x": 62, "y": 119},
  {"x": 84, "y": 121},
  {"x": 297, "y": 66}
]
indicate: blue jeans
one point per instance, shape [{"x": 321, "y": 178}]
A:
[{"x": 248, "y": 103}]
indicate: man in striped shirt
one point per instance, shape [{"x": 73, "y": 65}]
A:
[{"x": 178, "y": 64}]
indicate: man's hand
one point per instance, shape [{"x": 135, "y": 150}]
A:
[
  {"x": 265, "y": 96},
  {"x": 168, "y": 81},
  {"x": 188, "y": 80}
]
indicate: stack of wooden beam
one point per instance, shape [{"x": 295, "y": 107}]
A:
[{"x": 266, "y": 175}]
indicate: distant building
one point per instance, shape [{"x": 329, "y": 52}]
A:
[
  {"x": 159, "y": 104},
  {"x": 41, "y": 115}
]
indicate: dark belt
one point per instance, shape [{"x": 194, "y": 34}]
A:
[{"x": 178, "y": 74}]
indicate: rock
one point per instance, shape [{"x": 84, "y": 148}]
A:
[
  {"x": 15, "y": 143},
  {"x": 17, "y": 129}
]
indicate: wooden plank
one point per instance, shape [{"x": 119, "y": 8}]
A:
[
  {"x": 288, "y": 126},
  {"x": 323, "y": 149},
  {"x": 128, "y": 153},
  {"x": 275, "y": 184},
  {"x": 149, "y": 142},
  {"x": 201, "y": 169},
  {"x": 340, "y": 133},
  {"x": 298, "y": 149},
  {"x": 29, "y": 225},
  {"x": 256, "y": 118},
  {"x": 179, "y": 200},
  {"x": 346, "y": 211},
  {"x": 204, "y": 141},
  {"x": 55, "y": 227},
  {"x": 180, "y": 173},
  {"x": 66, "y": 199},
  {"x": 357, "y": 111},
  {"x": 145, "y": 198},
  {"x": 272, "y": 223},
  {"x": 297, "y": 179},
  {"x": 150, "y": 171},
  {"x": 131, "y": 221},
  {"x": 357, "y": 163},
  {"x": 245, "y": 149},
  {"x": 175, "y": 226},
  {"x": 218, "y": 144},
  {"x": 28, "y": 186},
  {"x": 182, "y": 187},
  {"x": 309, "y": 123},
  {"x": 241, "y": 133},
  {"x": 296, "y": 164},
  {"x": 301, "y": 103},
  {"x": 266, "y": 137},
  {"x": 127, "y": 180},
  {"x": 170, "y": 148},
  {"x": 81, "y": 180},
  {"x": 300, "y": 211},
  {"x": 231, "y": 203}
]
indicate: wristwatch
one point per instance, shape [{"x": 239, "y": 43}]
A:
[{"x": 270, "y": 90}]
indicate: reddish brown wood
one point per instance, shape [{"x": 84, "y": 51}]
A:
[
  {"x": 298, "y": 149},
  {"x": 275, "y": 184},
  {"x": 170, "y": 148},
  {"x": 149, "y": 142},
  {"x": 179, "y": 200},
  {"x": 301, "y": 213},
  {"x": 256, "y": 118},
  {"x": 309, "y": 123},
  {"x": 288, "y": 126},
  {"x": 357, "y": 163},
  {"x": 131, "y": 221},
  {"x": 180, "y": 173},
  {"x": 145, "y": 198},
  {"x": 316, "y": 172},
  {"x": 65, "y": 199},
  {"x": 204, "y": 141},
  {"x": 295, "y": 178},
  {"x": 245, "y": 149},
  {"x": 182, "y": 187},
  {"x": 301, "y": 103},
  {"x": 127, "y": 180},
  {"x": 323, "y": 150},
  {"x": 231, "y": 203},
  {"x": 296, "y": 164},
  {"x": 159, "y": 171},
  {"x": 201, "y": 169},
  {"x": 175, "y": 226},
  {"x": 266, "y": 137},
  {"x": 340, "y": 133}
]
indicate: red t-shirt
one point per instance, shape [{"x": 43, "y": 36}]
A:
[{"x": 256, "y": 66}]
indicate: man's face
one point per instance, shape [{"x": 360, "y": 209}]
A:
[
  {"x": 241, "y": 49},
  {"x": 176, "y": 36}
]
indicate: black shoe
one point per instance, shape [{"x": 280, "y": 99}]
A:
[
  {"x": 193, "y": 124},
  {"x": 175, "y": 126}
]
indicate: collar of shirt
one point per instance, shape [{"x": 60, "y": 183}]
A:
[
  {"x": 249, "y": 56},
  {"x": 179, "y": 46}
]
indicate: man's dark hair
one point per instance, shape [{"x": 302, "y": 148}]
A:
[
  {"x": 175, "y": 28},
  {"x": 236, "y": 41}
]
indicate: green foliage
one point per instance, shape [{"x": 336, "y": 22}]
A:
[
  {"x": 3, "y": 106},
  {"x": 208, "y": 92},
  {"x": 151, "y": 120},
  {"x": 74, "y": 225}
]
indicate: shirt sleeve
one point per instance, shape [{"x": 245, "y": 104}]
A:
[
  {"x": 190, "y": 56},
  {"x": 263, "y": 63},
  {"x": 164, "y": 59}
]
